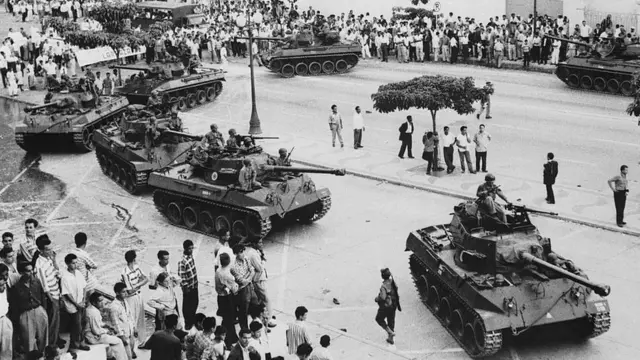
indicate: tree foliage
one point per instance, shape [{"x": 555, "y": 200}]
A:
[
  {"x": 409, "y": 13},
  {"x": 433, "y": 93},
  {"x": 60, "y": 25}
]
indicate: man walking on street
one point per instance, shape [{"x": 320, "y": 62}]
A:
[
  {"x": 358, "y": 128},
  {"x": 463, "y": 142},
  {"x": 335, "y": 125},
  {"x": 388, "y": 301},
  {"x": 486, "y": 101},
  {"x": 549, "y": 177},
  {"x": 481, "y": 139},
  {"x": 619, "y": 186},
  {"x": 448, "y": 140},
  {"x": 406, "y": 131},
  {"x": 189, "y": 275}
]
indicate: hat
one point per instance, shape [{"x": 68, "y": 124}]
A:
[
  {"x": 489, "y": 177},
  {"x": 489, "y": 83}
]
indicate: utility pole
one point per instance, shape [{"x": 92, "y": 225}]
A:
[{"x": 535, "y": 16}]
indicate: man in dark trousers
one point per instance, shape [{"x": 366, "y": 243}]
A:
[
  {"x": 388, "y": 301},
  {"x": 406, "y": 131},
  {"x": 620, "y": 188},
  {"x": 549, "y": 177}
]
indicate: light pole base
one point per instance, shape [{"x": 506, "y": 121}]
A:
[{"x": 254, "y": 122}]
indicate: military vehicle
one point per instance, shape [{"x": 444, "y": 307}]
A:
[
  {"x": 205, "y": 195},
  {"x": 129, "y": 150},
  {"x": 67, "y": 118},
  {"x": 481, "y": 277},
  {"x": 303, "y": 55},
  {"x": 188, "y": 88},
  {"x": 607, "y": 66}
]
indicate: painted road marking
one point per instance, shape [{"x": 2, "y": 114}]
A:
[
  {"x": 83, "y": 223},
  {"x": 70, "y": 193},
  {"x": 116, "y": 236},
  {"x": 19, "y": 175},
  {"x": 339, "y": 309}
]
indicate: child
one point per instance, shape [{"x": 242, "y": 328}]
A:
[
  {"x": 223, "y": 56},
  {"x": 13, "y": 84}
]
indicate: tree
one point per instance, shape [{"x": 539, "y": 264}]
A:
[
  {"x": 113, "y": 16},
  {"x": 434, "y": 93},
  {"x": 634, "y": 108}
]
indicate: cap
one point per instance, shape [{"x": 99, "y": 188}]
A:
[
  {"x": 489, "y": 177},
  {"x": 282, "y": 150},
  {"x": 385, "y": 272}
]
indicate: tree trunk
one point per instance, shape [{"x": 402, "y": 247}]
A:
[{"x": 435, "y": 148}]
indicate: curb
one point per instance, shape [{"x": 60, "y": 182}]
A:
[
  {"x": 512, "y": 66},
  {"x": 462, "y": 196}
]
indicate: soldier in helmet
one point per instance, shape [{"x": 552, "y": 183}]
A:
[
  {"x": 154, "y": 99},
  {"x": 232, "y": 142},
  {"x": 175, "y": 123},
  {"x": 487, "y": 199},
  {"x": 214, "y": 138},
  {"x": 283, "y": 159},
  {"x": 247, "y": 177}
]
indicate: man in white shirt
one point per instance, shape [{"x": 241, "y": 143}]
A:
[
  {"x": 358, "y": 128},
  {"x": 73, "y": 287},
  {"x": 322, "y": 352},
  {"x": 6, "y": 327},
  {"x": 463, "y": 143},
  {"x": 585, "y": 31},
  {"x": 448, "y": 141},
  {"x": 162, "y": 267}
]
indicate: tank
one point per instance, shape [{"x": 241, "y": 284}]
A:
[
  {"x": 67, "y": 118},
  {"x": 303, "y": 55},
  {"x": 187, "y": 86},
  {"x": 607, "y": 66},
  {"x": 204, "y": 194},
  {"x": 127, "y": 154},
  {"x": 482, "y": 279}
]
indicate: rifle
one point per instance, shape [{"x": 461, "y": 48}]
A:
[{"x": 286, "y": 160}]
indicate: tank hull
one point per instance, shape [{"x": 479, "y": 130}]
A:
[
  {"x": 601, "y": 75},
  {"x": 188, "y": 92},
  {"x": 477, "y": 317},
  {"x": 206, "y": 208},
  {"x": 313, "y": 60},
  {"x": 129, "y": 164},
  {"x": 43, "y": 132}
]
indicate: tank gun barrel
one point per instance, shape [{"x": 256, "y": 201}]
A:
[
  {"x": 526, "y": 209},
  {"x": 178, "y": 133},
  {"x": 338, "y": 172},
  {"x": 130, "y": 67},
  {"x": 261, "y": 38},
  {"x": 600, "y": 289},
  {"x": 568, "y": 41},
  {"x": 43, "y": 106},
  {"x": 259, "y": 137}
]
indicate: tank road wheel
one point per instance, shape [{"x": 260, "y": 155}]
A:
[
  {"x": 207, "y": 224},
  {"x": 599, "y": 84},
  {"x": 218, "y": 87},
  {"x": 124, "y": 178},
  {"x": 191, "y": 100},
  {"x": 423, "y": 288},
  {"x": 457, "y": 323},
  {"x": 352, "y": 60},
  {"x": 586, "y": 82},
  {"x": 87, "y": 140},
  {"x": 562, "y": 72},
  {"x": 446, "y": 311},
  {"x": 223, "y": 223},
  {"x": 302, "y": 69},
  {"x": 341, "y": 66},
  {"x": 315, "y": 68},
  {"x": 287, "y": 71},
  {"x": 573, "y": 81},
  {"x": 211, "y": 93},
  {"x": 190, "y": 217},
  {"x": 104, "y": 164},
  {"x": 132, "y": 181},
  {"x": 613, "y": 86},
  {"x": 328, "y": 67},
  {"x": 469, "y": 339},
  {"x": 182, "y": 104},
  {"x": 479, "y": 334},
  {"x": 433, "y": 300},
  {"x": 201, "y": 97},
  {"x": 239, "y": 230},
  {"x": 275, "y": 65},
  {"x": 174, "y": 213},
  {"x": 626, "y": 88},
  {"x": 113, "y": 171}
]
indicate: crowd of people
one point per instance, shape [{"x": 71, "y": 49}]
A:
[{"x": 36, "y": 292}]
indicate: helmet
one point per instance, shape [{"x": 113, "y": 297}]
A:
[
  {"x": 282, "y": 151},
  {"x": 489, "y": 177}
]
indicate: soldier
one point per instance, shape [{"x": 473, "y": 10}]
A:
[
  {"x": 214, "y": 138},
  {"x": 154, "y": 99},
  {"x": 175, "y": 123},
  {"x": 283, "y": 160},
  {"x": 486, "y": 199},
  {"x": 247, "y": 177},
  {"x": 151, "y": 133},
  {"x": 388, "y": 301},
  {"x": 232, "y": 143}
]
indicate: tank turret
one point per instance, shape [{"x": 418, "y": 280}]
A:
[{"x": 481, "y": 279}]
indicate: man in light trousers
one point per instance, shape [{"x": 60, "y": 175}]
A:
[{"x": 335, "y": 125}]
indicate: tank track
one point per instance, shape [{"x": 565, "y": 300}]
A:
[
  {"x": 83, "y": 140},
  {"x": 595, "y": 80},
  {"x": 233, "y": 211},
  {"x": 320, "y": 59},
  {"x": 182, "y": 94},
  {"x": 599, "y": 324},
  {"x": 492, "y": 339},
  {"x": 126, "y": 183},
  {"x": 325, "y": 206}
]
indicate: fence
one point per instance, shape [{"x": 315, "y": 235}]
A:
[{"x": 594, "y": 17}]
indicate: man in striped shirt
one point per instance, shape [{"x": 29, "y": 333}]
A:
[
  {"x": 242, "y": 271},
  {"x": 134, "y": 279},
  {"x": 189, "y": 283},
  {"x": 297, "y": 333},
  {"x": 28, "y": 246},
  {"x": 85, "y": 264},
  {"x": 49, "y": 277}
]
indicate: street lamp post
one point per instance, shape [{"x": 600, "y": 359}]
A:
[{"x": 254, "y": 122}]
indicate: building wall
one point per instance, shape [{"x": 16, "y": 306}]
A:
[{"x": 523, "y": 8}]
